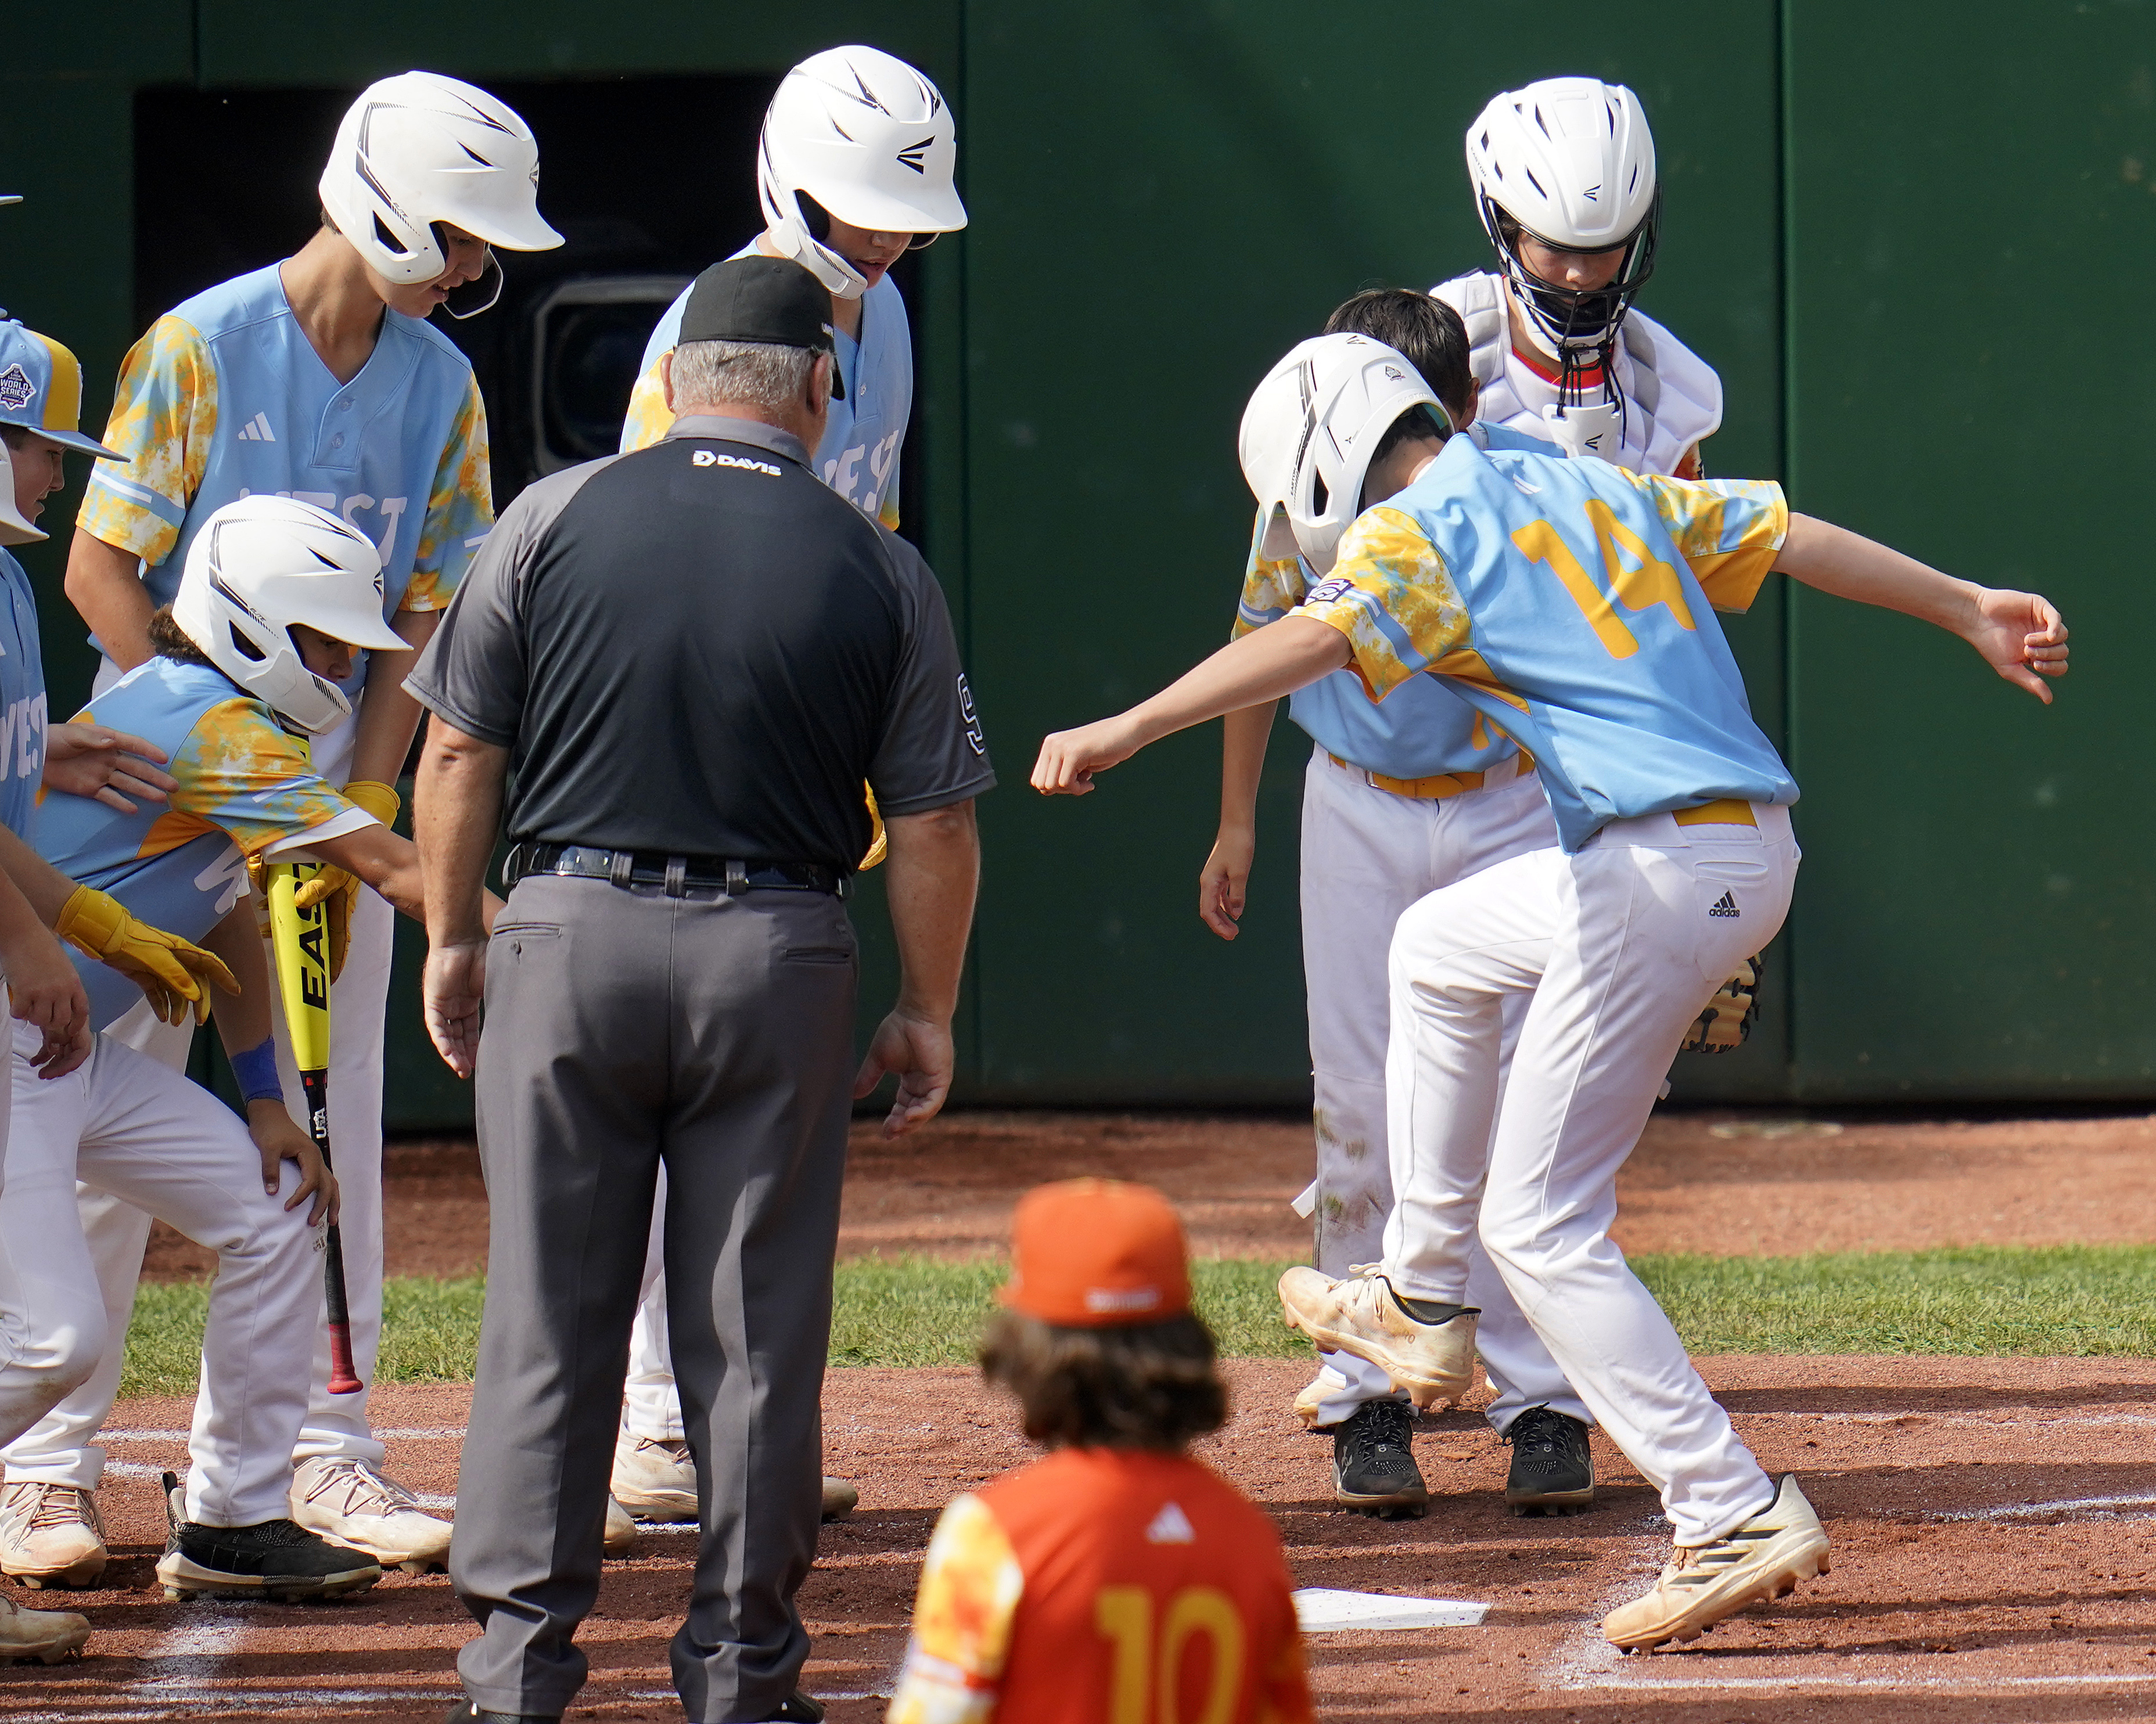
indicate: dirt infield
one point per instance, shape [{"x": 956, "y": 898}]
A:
[
  {"x": 1991, "y": 1521},
  {"x": 1725, "y": 1184}
]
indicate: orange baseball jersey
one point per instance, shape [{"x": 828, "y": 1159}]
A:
[{"x": 1101, "y": 1586}]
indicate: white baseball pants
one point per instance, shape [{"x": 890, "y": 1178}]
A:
[
  {"x": 1368, "y": 855},
  {"x": 1620, "y": 946},
  {"x": 169, "y": 1149}
]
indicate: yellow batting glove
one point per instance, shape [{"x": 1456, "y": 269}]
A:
[
  {"x": 343, "y": 889},
  {"x": 170, "y": 971},
  {"x": 878, "y": 845}
]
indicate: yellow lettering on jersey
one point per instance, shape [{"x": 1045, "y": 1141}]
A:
[
  {"x": 1208, "y": 1611},
  {"x": 1653, "y": 583},
  {"x": 1540, "y": 542},
  {"x": 1124, "y": 1615}
]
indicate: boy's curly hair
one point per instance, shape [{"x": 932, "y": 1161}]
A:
[{"x": 1138, "y": 1386}]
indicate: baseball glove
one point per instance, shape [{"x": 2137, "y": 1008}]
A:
[{"x": 1727, "y": 1022}]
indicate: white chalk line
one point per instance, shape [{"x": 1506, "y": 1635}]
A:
[
  {"x": 227, "y": 1699},
  {"x": 413, "y": 1433},
  {"x": 1974, "y": 1684},
  {"x": 1977, "y": 1421}
]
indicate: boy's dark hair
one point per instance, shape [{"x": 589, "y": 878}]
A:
[
  {"x": 168, "y": 641},
  {"x": 1429, "y": 335},
  {"x": 14, "y": 436},
  {"x": 1137, "y": 1386}
]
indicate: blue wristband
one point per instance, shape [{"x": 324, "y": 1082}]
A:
[{"x": 256, "y": 1069}]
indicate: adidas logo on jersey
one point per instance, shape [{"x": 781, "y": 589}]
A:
[
  {"x": 1171, "y": 1525},
  {"x": 1727, "y": 907},
  {"x": 257, "y": 430}
]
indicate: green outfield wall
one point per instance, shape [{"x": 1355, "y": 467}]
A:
[{"x": 1915, "y": 245}]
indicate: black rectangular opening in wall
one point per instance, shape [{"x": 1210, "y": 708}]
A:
[{"x": 648, "y": 180}]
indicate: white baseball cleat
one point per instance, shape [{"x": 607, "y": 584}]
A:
[
  {"x": 621, "y": 1534},
  {"x": 1309, "y": 1402},
  {"x": 50, "y": 1534},
  {"x": 351, "y": 1503},
  {"x": 654, "y": 1478},
  {"x": 1360, "y": 1314},
  {"x": 1761, "y": 1561},
  {"x": 46, "y": 1635}
]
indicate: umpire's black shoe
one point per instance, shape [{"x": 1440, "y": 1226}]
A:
[
  {"x": 799, "y": 1709},
  {"x": 465, "y": 1712},
  {"x": 1553, "y": 1471},
  {"x": 1374, "y": 1464},
  {"x": 271, "y": 1559}
]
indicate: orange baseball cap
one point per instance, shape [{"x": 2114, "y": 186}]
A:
[{"x": 1097, "y": 1254}]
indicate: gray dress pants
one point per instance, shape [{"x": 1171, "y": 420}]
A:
[{"x": 625, "y": 1029}]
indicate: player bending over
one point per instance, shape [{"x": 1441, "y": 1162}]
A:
[
  {"x": 856, "y": 166},
  {"x": 1398, "y": 801},
  {"x": 276, "y": 596},
  {"x": 1117, "y": 1577},
  {"x": 1571, "y": 602}
]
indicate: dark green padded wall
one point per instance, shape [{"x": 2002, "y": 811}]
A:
[
  {"x": 1173, "y": 196},
  {"x": 1969, "y": 255}
]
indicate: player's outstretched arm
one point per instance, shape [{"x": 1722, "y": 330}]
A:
[
  {"x": 2021, "y": 636},
  {"x": 1262, "y": 666},
  {"x": 1223, "y": 882}
]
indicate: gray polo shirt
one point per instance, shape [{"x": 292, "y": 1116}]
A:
[{"x": 701, "y": 649}]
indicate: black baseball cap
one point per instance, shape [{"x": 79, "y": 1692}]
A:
[{"x": 759, "y": 299}]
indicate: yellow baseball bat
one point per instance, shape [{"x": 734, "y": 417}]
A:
[{"x": 300, "y": 940}]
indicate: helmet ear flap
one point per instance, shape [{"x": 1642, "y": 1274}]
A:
[
  {"x": 242, "y": 645},
  {"x": 815, "y": 218}
]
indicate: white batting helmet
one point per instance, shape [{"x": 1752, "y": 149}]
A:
[
  {"x": 258, "y": 567},
  {"x": 1310, "y": 431},
  {"x": 420, "y": 148},
  {"x": 858, "y": 134},
  {"x": 1569, "y": 161}
]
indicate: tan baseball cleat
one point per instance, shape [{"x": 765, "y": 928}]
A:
[
  {"x": 1309, "y": 1402},
  {"x": 1360, "y": 1314},
  {"x": 840, "y": 1499},
  {"x": 47, "y": 1636},
  {"x": 351, "y": 1503},
  {"x": 654, "y": 1478},
  {"x": 1761, "y": 1561},
  {"x": 50, "y": 1534},
  {"x": 621, "y": 1534}
]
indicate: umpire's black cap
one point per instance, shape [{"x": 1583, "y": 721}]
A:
[{"x": 759, "y": 299}]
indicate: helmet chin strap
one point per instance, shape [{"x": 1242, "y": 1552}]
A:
[{"x": 790, "y": 239}]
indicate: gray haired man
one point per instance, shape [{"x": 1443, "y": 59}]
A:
[{"x": 681, "y": 664}]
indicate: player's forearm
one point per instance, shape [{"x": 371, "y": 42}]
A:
[
  {"x": 36, "y": 880},
  {"x": 1261, "y": 667},
  {"x": 930, "y": 880},
  {"x": 243, "y": 1019},
  {"x": 456, "y": 815},
  {"x": 104, "y": 585},
  {"x": 1244, "y": 734},
  {"x": 388, "y": 717},
  {"x": 1835, "y": 560}
]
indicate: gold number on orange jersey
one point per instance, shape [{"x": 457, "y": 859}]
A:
[
  {"x": 1653, "y": 583},
  {"x": 1138, "y": 1692}
]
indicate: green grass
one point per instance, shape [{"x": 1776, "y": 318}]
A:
[{"x": 2067, "y": 1299}]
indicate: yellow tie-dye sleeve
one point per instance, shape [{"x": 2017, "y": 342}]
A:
[
  {"x": 1272, "y": 585},
  {"x": 1392, "y": 596},
  {"x": 649, "y": 419},
  {"x": 164, "y": 414},
  {"x": 238, "y": 770},
  {"x": 888, "y": 514},
  {"x": 970, "y": 1587},
  {"x": 460, "y": 510},
  {"x": 1728, "y": 529}
]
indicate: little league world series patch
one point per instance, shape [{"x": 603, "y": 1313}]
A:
[{"x": 16, "y": 389}]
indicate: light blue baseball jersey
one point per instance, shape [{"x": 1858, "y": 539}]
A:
[
  {"x": 1572, "y": 605},
  {"x": 22, "y": 691},
  {"x": 246, "y": 788},
  {"x": 1423, "y": 730},
  {"x": 225, "y": 398},
  {"x": 859, "y": 455}
]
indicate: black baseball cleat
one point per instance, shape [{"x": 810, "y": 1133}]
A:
[
  {"x": 465, "y": 1712},
  {"x": 1374, "y": 1464},
  {"x": 1553, "y": 1471},
  {"x": 799, "y": 1709},
  {"x": 272, "y": 1559}
]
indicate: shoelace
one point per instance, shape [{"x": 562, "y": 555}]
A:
[
  {"x": 366, "y": 1490},
  {"x": 1545, "y": 1436},
  {"x": 66, "y": 1504},
  {"x": 1384, "y": 1437}
]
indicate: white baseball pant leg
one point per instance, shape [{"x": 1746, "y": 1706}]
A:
[
  {"x": 1368, "y": 855},
  {"x": 58, "y": 1449},
  {"x": 651, "y": 1407},
  {"x": 147, "y": 1135},
  {"x": 1621, "y": 946}
]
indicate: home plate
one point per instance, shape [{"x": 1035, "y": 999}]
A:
[{"x": 1322, "y": 1610}]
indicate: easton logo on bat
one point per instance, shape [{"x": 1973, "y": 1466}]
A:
[{"x": 314, "y": 974}]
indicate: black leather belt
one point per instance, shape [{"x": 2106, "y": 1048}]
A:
[{"x": 678, "y": 874}]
